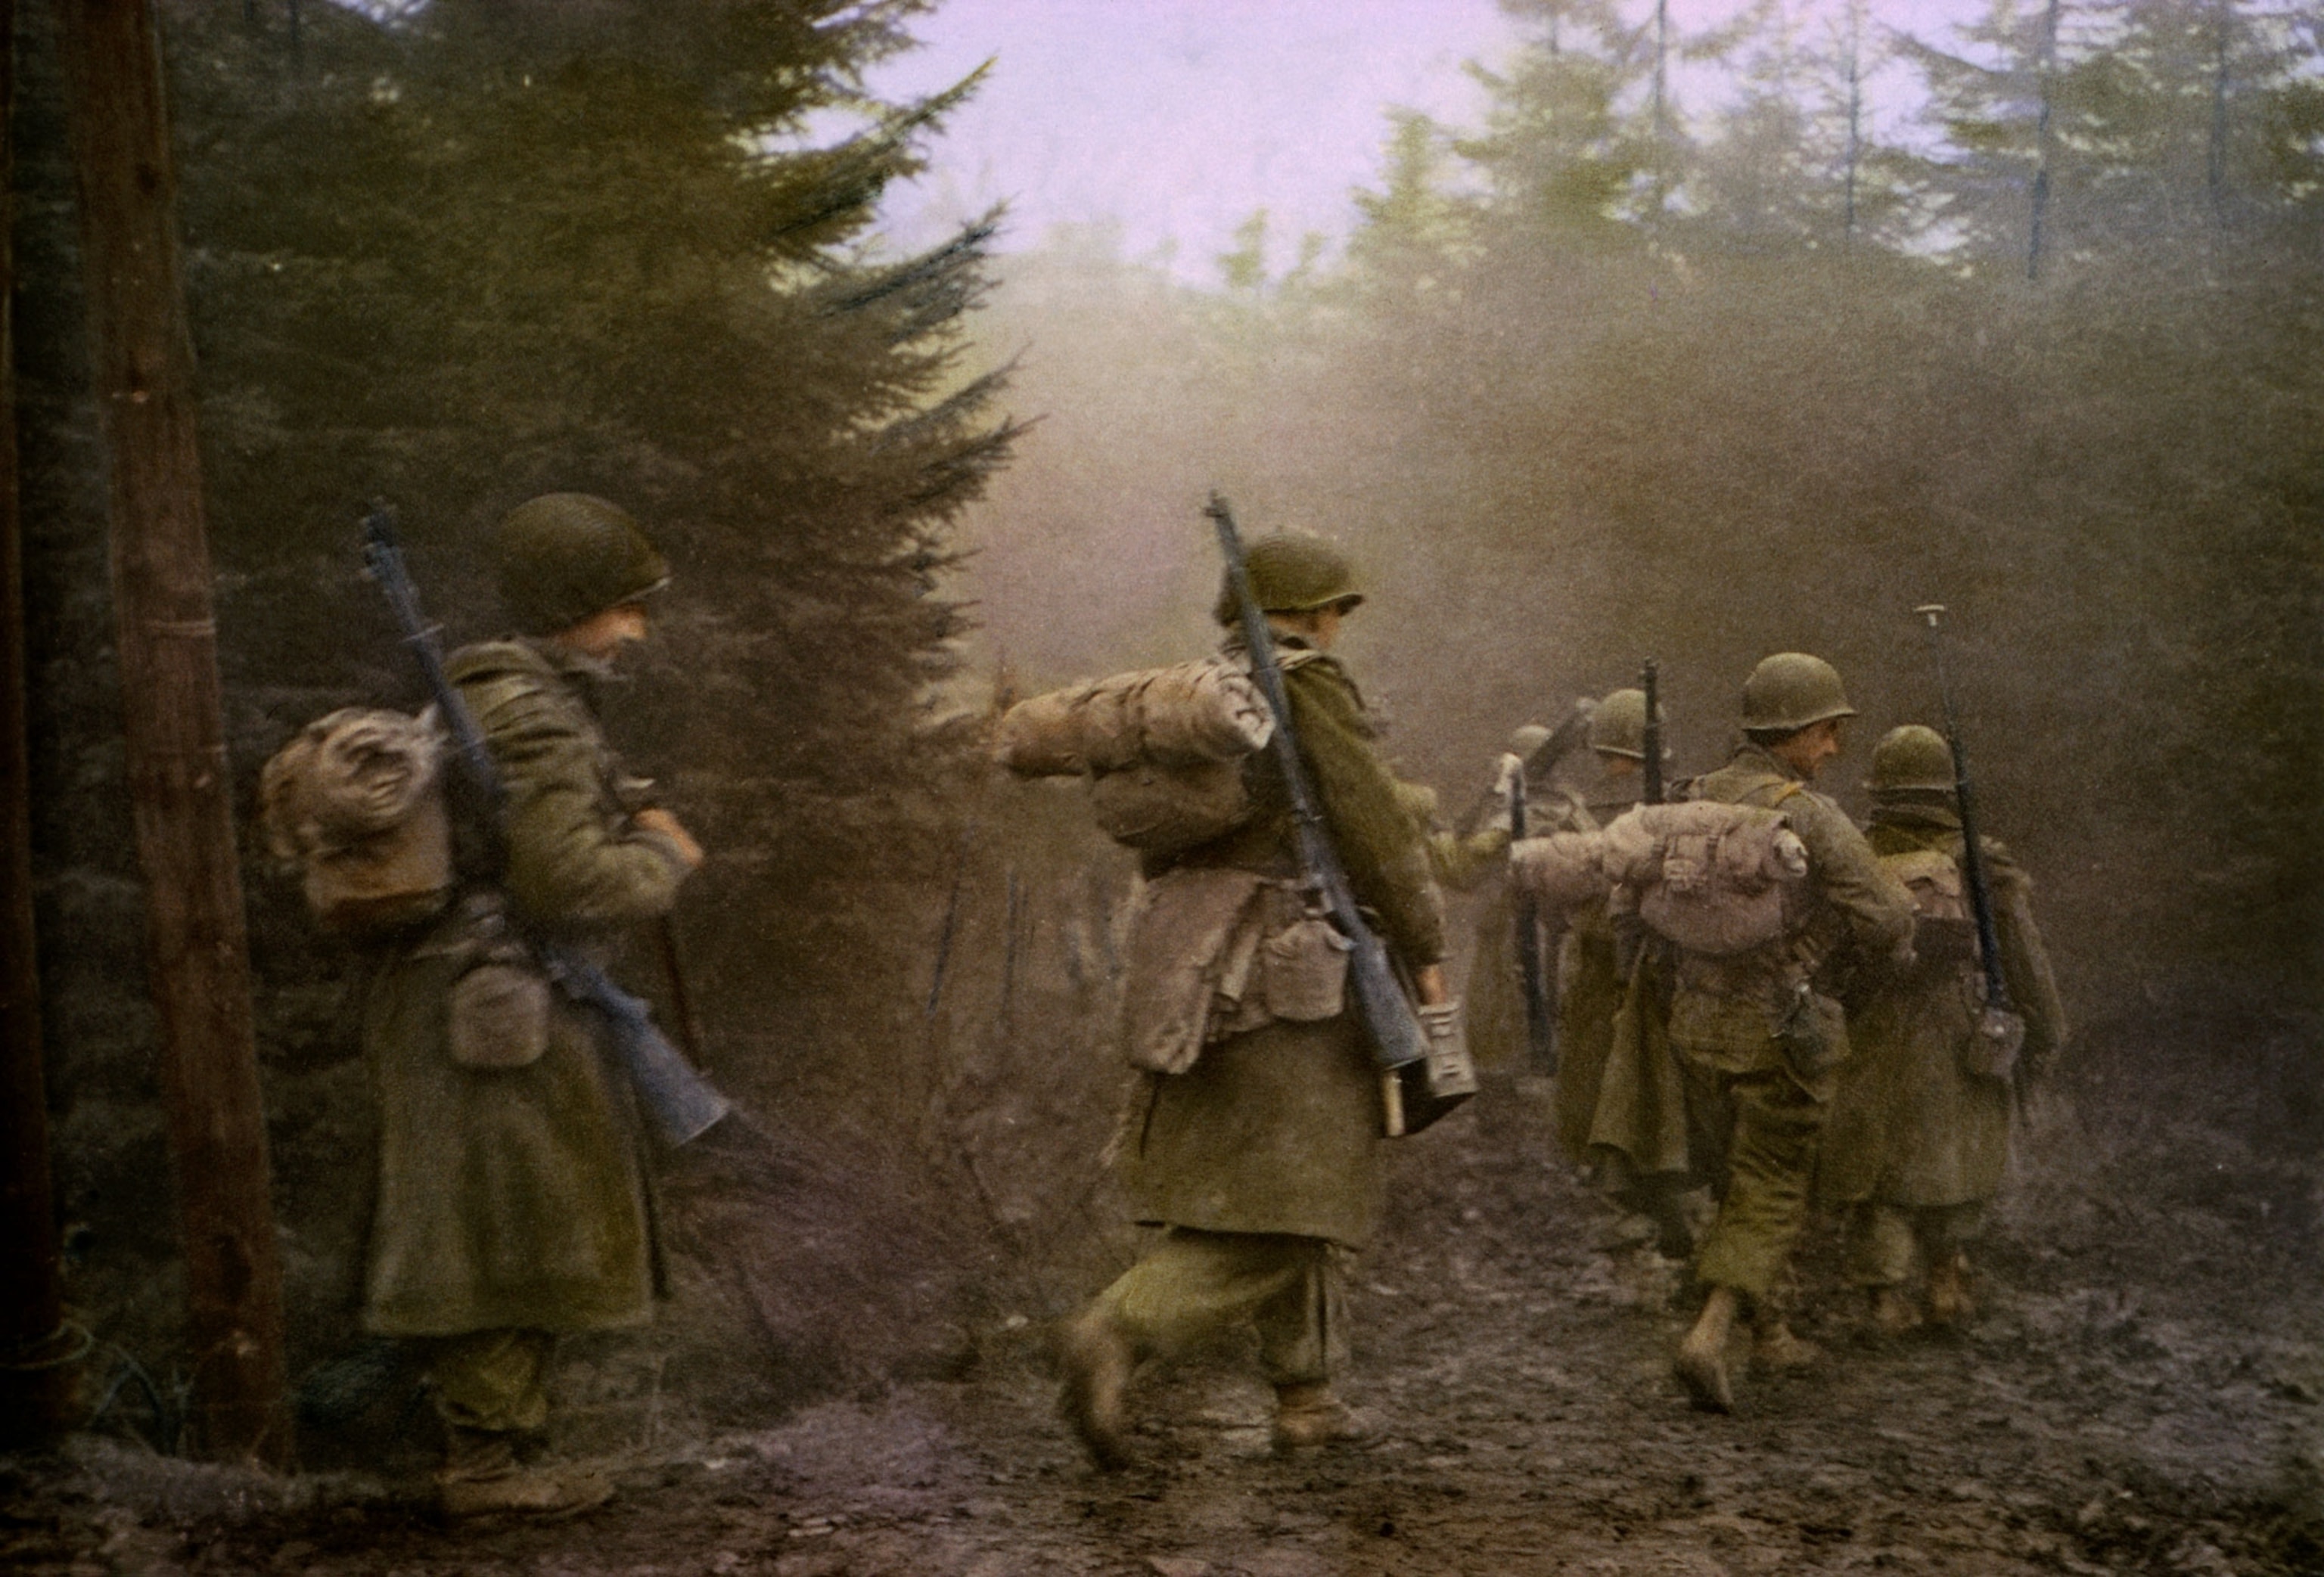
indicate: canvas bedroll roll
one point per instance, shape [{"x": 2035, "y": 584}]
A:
[
  {"x": 1562, "y": 870},
  {"x": 1181, "y": 715},
  {"x": 355, "y": 803}
]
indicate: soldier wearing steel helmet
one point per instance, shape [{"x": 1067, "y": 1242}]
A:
[
  {"x": 1759, "y": 1035},
  {"x": 1259, "y": 1162},
  {"x": 511, "y": 1202},
  {"x": 1918, "y": 1136},
  {"x": 1591, "y": 983}
]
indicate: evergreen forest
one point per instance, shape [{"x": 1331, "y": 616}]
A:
[{"x": 1672, "y": 354}]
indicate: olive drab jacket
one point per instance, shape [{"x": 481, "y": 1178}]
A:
[
  {"x": 1276, "y": 1127},
  {"x": 1910, "y": 1125},
  {"x": 1724, "y": 1012},
  {"x": 513, "y": 1195}
]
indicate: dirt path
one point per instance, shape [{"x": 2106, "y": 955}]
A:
[{"x": 2130, "y": 1404}]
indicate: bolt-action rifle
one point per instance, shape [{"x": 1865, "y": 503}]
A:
[
  {"x": 1424, "y": 1068},
  {"x": 681, "y": 1101},
  {"x": 1541, "y": 1022},
  {"x": 2000, "y": 1031}
]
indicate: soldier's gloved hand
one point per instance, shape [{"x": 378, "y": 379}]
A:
[{"x": 655, "y": 819}]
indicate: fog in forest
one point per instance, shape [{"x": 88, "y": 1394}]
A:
[{"x": 1614, "y": 374}]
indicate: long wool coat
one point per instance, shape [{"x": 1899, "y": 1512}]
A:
[
  {"x": 1910, "y": 1125},
  {"x": 1277, "y": 1130},
  {"x": 515, "y": 1196}
]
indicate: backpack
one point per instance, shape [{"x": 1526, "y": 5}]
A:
[
  {"x": 354, "y": 804},
  {"x": 1713, "y": 877},
  {"x": 1163, "y": 750}
]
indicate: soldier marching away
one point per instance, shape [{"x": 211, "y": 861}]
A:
[
  {"x": 1919, "y": 1136},
  {"x": 512, "y": 1201},
  {"x": 1591, "y": 981},
  {"x": 1759, "y": 1035},
  {"x": 1259, "y": 1162}
]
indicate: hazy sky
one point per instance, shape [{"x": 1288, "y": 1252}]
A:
[{"x": 1177, "y": 118}]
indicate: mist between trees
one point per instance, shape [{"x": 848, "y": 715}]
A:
[{"x": 1595, "y": 381}]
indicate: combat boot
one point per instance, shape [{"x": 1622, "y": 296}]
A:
[
  {"x": 1701, "y": 1362},
  {"x": 1096, "y": 1363},
  {"x": 1309, "y": 1415},
  {"x": 1776, "y": 1346},
  {"x": 481, "y": 1477},
  {"x": 1951, "y": 1301}
]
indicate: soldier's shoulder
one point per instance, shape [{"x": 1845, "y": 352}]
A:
[
  {"x": 1317, "y": 675},
  {"x": 511, "y": 684}
]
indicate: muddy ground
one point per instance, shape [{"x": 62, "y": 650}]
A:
[{"x": 2143, "y": 1395}]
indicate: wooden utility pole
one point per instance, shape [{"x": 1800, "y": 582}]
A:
[
  {"x": 36, "y": 1347},
  {"x": 180, "y": 794}
]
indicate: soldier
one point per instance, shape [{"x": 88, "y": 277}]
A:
[
  {"x": 1465, "y": 862},
  {"x": 1259, "y": 1161},
  {"x": 1917, "y": 1139},
  {"x": 1758, "y": 1035},
  {"x": 512, "y": 1204}
]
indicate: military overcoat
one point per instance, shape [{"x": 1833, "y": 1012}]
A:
[
  {"x": 1276, "y": 1129},
  {"x": 1910, "y": 1125},
  {"x": 515, "y": 1196}
]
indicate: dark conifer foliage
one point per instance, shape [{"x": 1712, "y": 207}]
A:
[
  {"x": 476, "y": 251},
  {"x": 452, "y": 255}
]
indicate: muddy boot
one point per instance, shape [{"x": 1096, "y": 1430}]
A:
[
  {"x": 1701, "y": 1363},
  {"x": 1096, "y": 1364},
  {"x": 1889, "y": 1314},
  {"x": 1310, "y": 1415},
  {"x": 1773, "y": 1344},
  {"x": 481, "y": 1477},
  {"x": 1951, "y": 1301}
]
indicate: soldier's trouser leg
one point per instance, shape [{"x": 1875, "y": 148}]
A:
[
  {"x": 1194, "y": 1286},
  {"x": 1770, "y": 1157},
  {"x": 1880, "y": 1241},
  {"x": 491, "y": 1381}
]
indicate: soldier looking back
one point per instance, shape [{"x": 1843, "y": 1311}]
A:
[
  {"x": 1918, "y": 1138},
  {"x": 1259, "y": 1161},
  {"x": 511, "y": 1202},
  {"x": 1758, "y": 1036}
]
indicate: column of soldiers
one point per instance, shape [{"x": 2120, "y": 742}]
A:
[{"x": 513, "y": 1204}]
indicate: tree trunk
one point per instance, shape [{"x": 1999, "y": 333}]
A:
[
  {"x": 179, "y": 789},
  {"x": 2044, "y": 142},
  {"x": 35, "y": 1346}
]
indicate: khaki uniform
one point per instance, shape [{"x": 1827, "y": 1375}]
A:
[
  {"x": 513, "y": 1205},
  {"x": 1753, "y": 1111},
  {"x": 1261, "y": 1159},
  {"x": 1916, "y": 1143},
  {"x": 1495, "y": 991}
]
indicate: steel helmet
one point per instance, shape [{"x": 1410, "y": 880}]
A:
[
  {"x": 1293, "y": 572},
  {"x": 1619, "y": 726},
  {"x": 1791, "y": 690},
  {"x": 564, "y": 556},
  {"x": 1912, "y": 756}
]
